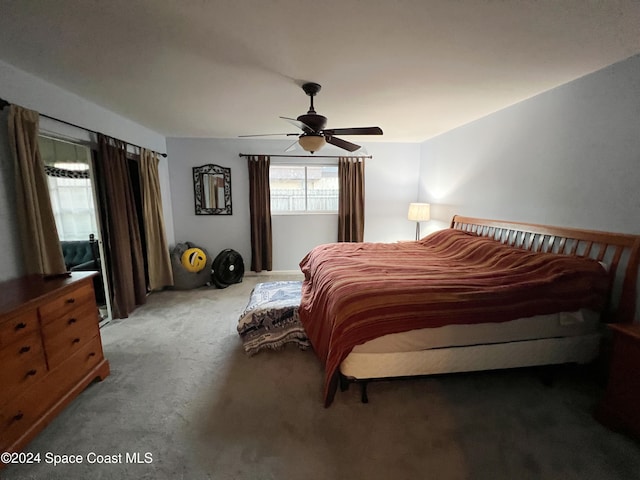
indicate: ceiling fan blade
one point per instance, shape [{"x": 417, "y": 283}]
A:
[
  {"x": 271, "y": 135},
  {"x": 338, "y": 142},
  {"x": 354, "y": 131},
  {"x": 302, "y": 126},
  {"x": 291, "y": 147}
]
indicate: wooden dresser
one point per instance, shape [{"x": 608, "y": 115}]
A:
[
  {"x": 620, "y": 407},
  {"x": 50, "y": 350}
]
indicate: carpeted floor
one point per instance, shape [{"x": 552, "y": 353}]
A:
[{"x": 184, "y": 396}]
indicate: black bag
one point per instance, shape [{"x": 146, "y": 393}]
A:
[{"x": 227, "y": 268}]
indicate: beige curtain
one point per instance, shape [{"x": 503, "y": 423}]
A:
[
  {"x": 41, "y": 248},
  {"x": 158, "y": 261},
  {"x": 260, "y": 212},
  {"x": 351, "y": 199}
]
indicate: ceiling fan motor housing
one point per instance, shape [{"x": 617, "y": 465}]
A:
[{"x": 314, "y": 121}]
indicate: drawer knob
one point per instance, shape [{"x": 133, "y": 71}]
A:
[
  {"x": 25, "y": 349},
  {"x": 18, "y": 416},
  {"x": 31, "y": 373},
  {"x": 76, "y": 340},
  {"x": 71, "y": 300},
  {"x": 92, "y": 354},
  {"x": 72, "y": 321},
  {"x": 21, "y": 325}
]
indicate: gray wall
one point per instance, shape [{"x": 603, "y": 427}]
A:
[
  {"x": 24, "y": 89},
  {"x": 390, "y": 185},
  {"x": 570, "y": 156}
]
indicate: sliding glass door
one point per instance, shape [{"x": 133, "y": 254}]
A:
[{"x": 73, "y": 198}]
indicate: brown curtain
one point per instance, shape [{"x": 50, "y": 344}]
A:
[
  {"x": 158, "y": 261},
  {"x": 122, "y": 240},
  {"x": 351, "y": 199},
  {"x": 41, "y": 248},
  {"x": 260, "y": 212}
]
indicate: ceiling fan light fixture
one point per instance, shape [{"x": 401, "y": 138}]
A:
[{"x": 312, "y": 143}]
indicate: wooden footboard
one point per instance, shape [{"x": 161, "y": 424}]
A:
[{"x": 619, "y": 252}]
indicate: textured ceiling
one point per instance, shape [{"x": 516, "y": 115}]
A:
[{"x": 416, "y": 68}]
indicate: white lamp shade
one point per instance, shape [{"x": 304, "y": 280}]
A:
[
  {"x": 312, "y": 143},
  {"x": 419, "y": 212}
]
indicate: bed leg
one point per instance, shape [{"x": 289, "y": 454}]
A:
[
  {"x": 547, "y": 375},
  {"x": 364, "y": 398},
  {"x": 344, "y": 383}
]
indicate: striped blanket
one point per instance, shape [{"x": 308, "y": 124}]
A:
[
  {"x": 270, "y": 320},
  {"x": 355, "y": 292}
]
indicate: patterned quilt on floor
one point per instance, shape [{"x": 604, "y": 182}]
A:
[{"x": 271, "y": 320}]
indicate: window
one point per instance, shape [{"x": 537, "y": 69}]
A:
[
  {"x": 70, "y": 188},
  {"x": 303, "y": 188}
]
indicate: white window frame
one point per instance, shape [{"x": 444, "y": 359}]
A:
[{"x": 304, "y": 163}]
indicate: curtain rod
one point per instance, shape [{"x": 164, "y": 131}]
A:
[
  {"x": 5, "y": 103},
  {"x": 304, "y": 156}
]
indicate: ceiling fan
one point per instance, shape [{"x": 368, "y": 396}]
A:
[{"x": 314, "y": 134}]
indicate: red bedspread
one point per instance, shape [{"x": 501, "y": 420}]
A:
[{"x": 355, "y": 292}]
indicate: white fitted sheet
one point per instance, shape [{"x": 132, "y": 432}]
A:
[{"x": 565, "y": 324}]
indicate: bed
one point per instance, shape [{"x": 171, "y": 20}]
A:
[{"x": 481, "y": 295}]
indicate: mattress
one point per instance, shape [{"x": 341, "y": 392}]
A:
[{"x": 565, "y": 324}]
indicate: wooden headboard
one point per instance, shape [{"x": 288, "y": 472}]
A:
[{"x": 618, "y": 251}]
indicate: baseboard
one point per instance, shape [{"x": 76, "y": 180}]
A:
[{"x": 266, "y": 273}]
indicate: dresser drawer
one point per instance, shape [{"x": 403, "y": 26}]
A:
[
  {"x": 18, "y": 326},
  {"x": 17, "y": 416},
  {"x": 24, "y": 411},
  {"x": 22, "y": 364},
  {"x": 67, "y": 334},
  {"x": 67, "y": 302},
  {"x": 50, "y": 350},
  {"x": 75, "y": 367}
]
